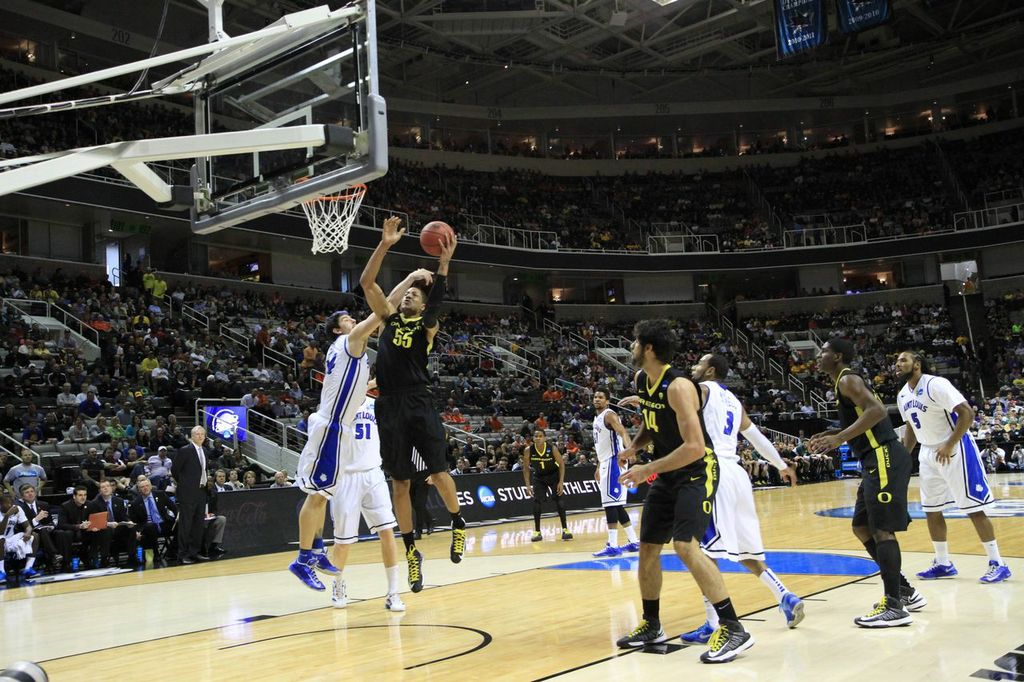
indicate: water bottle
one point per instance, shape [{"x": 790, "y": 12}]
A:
[
  {"x": 74, "y": 564},
  {"x": 139, "y": 556}
]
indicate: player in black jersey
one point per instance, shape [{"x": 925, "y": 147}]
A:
[
  {"x": 678, "y": 505},
  {"x": 881, "y": 509},
  {"x": 544, "y": 473},
  {"x": 406, "y": 416}
]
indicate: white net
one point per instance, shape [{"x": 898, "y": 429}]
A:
[{"x": 331, "y": 217}]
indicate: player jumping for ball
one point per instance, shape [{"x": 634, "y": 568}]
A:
[{"x": 406, "y": 415}]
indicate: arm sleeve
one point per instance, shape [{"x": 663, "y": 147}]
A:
[
  {"x": 764, "y": 446},
  {"x": 434, "y": 299}
]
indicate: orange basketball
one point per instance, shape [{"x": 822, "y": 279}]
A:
[{"x": 433, "y": 234}]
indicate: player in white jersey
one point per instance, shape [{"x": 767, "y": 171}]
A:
[
  {"x": 362, "y": 490},
  {"x": 952, "y": 474},
  {"x": 611, "y": 438},
  {"x": 734, "y": 532},
  {"x": 346, "y": 374}
]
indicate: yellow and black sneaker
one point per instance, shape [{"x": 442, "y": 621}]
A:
[
  {"x": 566, "y": 535},
  {"x": 648, "y": 632},
  {"x": 888, "y": 613},
  {"x": 415, "y": 560},
  {"x": 458, "y": 544},
  {"x": 727, "y": 642},
  {"x": 536, "y": 537}
]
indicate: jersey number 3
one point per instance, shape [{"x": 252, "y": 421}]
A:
[
  {"x": 730, "y": 422},
  {"x": 403, "y": 338}
]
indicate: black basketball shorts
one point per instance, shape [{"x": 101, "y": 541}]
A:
[
  {"x": 544, "y": 485},
  {"x": 882, "y": 494},
  {"x": 679, "y": 503},
  {"x": 406, "y": 421}
]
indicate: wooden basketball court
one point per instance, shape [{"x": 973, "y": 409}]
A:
[{"x": 507, "y": 612}]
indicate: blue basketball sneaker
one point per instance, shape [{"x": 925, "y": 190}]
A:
[
  {"x": 699, "y": 636},
  {"x": 937, "y": 571},
  {"x": 307, "y": 574},
  {"x": 322, "y": 563},
  {"x": 792, "y": 607},
  {"x": 997, "y": 573},
  {"x": 609, "y": 551},
  {"x": 631, "y": 547},
  {"x": 29, "y": 573}
]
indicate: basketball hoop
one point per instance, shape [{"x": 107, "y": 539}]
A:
[{"x": 331, "y": 217}]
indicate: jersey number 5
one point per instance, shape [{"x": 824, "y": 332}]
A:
[
  {"x": 913, "y": 418},
  {"x": 651, "y": 421},
  {"x": 403, "y": 338}
]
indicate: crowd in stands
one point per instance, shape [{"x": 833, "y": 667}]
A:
[
  {"x": 891, "y": 192},
  {"x": 880, "y": 331},
  {"x": 118, "y": 415}
]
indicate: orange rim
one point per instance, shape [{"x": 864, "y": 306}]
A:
[{"x": 350, "y": 194}]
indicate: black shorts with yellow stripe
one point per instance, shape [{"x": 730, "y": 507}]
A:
[
  {"x": 882, "y": 495},
  {"x": 678, "y": 505}
]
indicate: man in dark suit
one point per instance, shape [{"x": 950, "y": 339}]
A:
[
  {"x": 55, "y": 543},
  {"x": 74, "y": 517},
  {"x": 189, "y": 473},
  {"x": 123, "y": 532},
  {"x": 154, "y": 514}
]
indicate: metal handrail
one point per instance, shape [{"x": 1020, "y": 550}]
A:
[
  {"x": 20, "y": 446},
  {"x": 231, "y": 335},
  {"x": 279, "y": 358},
  {"x": 81, "y": 325},
  {"x": 195, "y": 315}
]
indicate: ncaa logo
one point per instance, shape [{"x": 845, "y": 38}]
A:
[
  {"x": 486, "y": 496},
  {"x": 225, "y": 423}
]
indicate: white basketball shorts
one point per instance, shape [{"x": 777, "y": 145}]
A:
[
  {"x": 734, "y": 532},
  {"x": 961, "y": 483},
  {"x": 361, "y": 492},
  {"x": 319, "y": 462},
  {"x": 613, "y": 493}
]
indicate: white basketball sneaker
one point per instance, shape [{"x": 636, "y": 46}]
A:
[
  {"x": 394, "y": 603},
  {"x": 339, "y": 593}
]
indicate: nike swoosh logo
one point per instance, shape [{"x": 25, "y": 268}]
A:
[
  {"x": 871, "y": 471},
  {"x": 694, "y": 478}
]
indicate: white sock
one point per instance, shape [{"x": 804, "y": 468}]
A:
[
  {"x": 30, "y": 562},
  {"x": 709, "y": 608},
  {"x": 613, "y": 537},
  {"x": 941, "y": 553},
  {"x": 992, "y": 549},
  {"x": 769, "y": 578},
  {"x": 392, "y": 578},
  {"x": 631, "y": 534}
]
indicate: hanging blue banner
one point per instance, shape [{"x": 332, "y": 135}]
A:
[
  {"x": 858, "y": 15},
  {"x": 800, "y": 25}
]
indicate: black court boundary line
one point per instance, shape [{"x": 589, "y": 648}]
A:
[
  {"x": 322, "y": 608},
  {"x": 284, "y": 615},
  {"x": 745, "y": 615},
  {"x": 485, "y": 636}
]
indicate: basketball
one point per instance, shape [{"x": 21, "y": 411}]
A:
[{"x": 433, "y": 235}]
